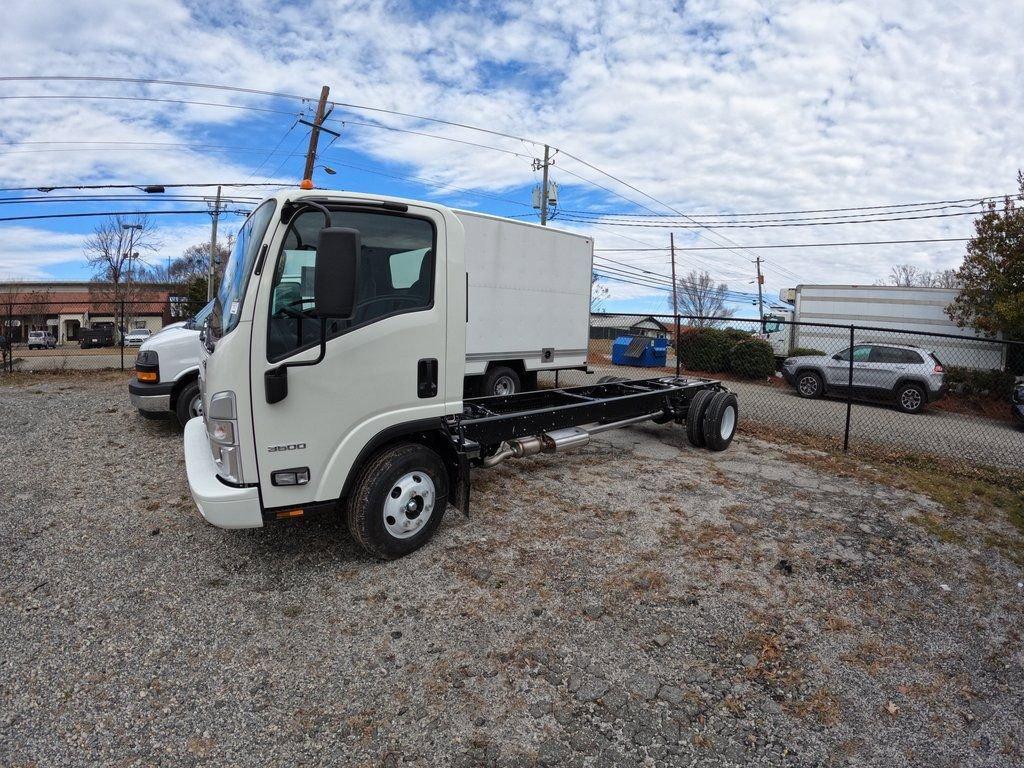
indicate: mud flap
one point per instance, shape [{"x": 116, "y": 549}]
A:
[{"x": 460, "y": 497}]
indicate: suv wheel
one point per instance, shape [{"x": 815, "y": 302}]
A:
[
  {"x": 910, "y": 398},
  {"x": 809, "y": 384}
]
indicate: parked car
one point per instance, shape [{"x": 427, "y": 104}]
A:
[
  {"x": 136, "y": 336},
  {"x": 41, "y": 340},
  {"x": 1017, "y": 397},
  {"x": 908, "y": 376},
  {"x": 95, "y": 337},
  {"x": 167, "y": 371}
]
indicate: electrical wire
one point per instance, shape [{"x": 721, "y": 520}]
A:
[
  {"x": 645, "y": 225},
  {"x": 52, "y": 188},
  {"x": 118, "y": 213},
  {"x": 799, "y": 245}
]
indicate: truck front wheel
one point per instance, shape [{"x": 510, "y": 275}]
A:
[{"x": 398, "y": 500}]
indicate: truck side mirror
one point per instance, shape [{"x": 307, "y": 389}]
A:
[{"x": 334, "y": 283}]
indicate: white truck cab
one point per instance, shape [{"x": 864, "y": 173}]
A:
[
  {"x": 332, "y": 373},
  {"x": 167, "y": 371}
]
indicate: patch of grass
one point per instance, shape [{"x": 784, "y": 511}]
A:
[{"x": 963, "y": 489}]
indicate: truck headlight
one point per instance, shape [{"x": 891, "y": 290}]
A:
[{"x": 222, "y": 431}]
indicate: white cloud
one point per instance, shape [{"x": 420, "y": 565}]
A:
[{"x": 710, "y": 106}]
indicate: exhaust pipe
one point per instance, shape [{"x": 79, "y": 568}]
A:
[{"x": 557, "y": 440}]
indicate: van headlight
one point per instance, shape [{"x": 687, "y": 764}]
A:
[{"x": 222, "y": 432}]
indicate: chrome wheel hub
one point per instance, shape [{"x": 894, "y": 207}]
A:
[
  {"x": 409, "y": 505},
  {"x": 728, "y": 423},
  {"x": 504, "y": 386},
  {"x": 195, "y": 408},
  {"x": 808, "y": 385}
]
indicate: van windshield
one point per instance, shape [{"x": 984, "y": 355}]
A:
[{"x": 227, "y": 308}]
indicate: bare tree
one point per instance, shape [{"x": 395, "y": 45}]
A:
[
  {"x": 113, "y": 251},
  {"x": 113, "y": 248},
  {"x": 909, "y": 276},
  {"x": 598, "y": 294},
  {"x": 699, "y": 296}
]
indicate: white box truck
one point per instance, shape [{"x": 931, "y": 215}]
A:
[
  {"x": 883, "y": 307},
  {"x": 334, "y": 361}
]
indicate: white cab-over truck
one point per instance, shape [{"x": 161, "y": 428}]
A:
[
  {"x": 334, "y": 362},
  {"x": 167, "y": 371}
]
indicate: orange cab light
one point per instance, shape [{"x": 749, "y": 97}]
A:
[
  {"x": 147, "y": 376},
  {"x": 306, "y": 184},
  {"x": 290, "y": 513}
]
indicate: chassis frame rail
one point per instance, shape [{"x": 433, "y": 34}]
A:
[{"x": 491, "y": 420}]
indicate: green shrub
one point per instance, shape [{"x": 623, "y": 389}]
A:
[
  {"x": 805, "y": 352},
  {"x": 967, "y": 381},
  {"x": 752, "y": 359},
  {"x": 704, "y": 349},
  {"x": 736, "y": 334}
]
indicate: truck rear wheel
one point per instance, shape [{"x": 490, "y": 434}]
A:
[
  {"x": 695, "y": 417},
  {"x": 398, "y": 500},
  {"x": 189, "y": 404},
  {"x": 501, "y": 380},
  {"x": 720, "y": 421}
]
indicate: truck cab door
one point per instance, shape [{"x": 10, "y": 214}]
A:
[{"x": 383, "y": 368}]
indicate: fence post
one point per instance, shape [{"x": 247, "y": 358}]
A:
[
  {"x": 120, "y": 328},
  {"x": 678, "y": 369},
  {"x": 849, "y": 397}
]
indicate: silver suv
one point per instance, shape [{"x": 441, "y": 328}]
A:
[{"x": 908, "y": 376}]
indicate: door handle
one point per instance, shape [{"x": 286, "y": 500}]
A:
[{"x": 426, "y": 377}]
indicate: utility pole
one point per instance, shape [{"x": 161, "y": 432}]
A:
[
  {"x": 215, "y": 214},
  {"x": 314, "y": 138},
  {"x": 760, "y": 298},
  {"x": 545, "y": 186},
  {"x": 675, "y": 297}
]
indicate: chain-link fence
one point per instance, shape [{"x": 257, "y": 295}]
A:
[
  {"x": 55, "y": 335},
  {"x": 847, "y": 386}
]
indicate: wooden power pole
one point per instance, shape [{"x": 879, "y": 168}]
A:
[
  {"x": 215, "y": 215},
  {"x": 314, "y": 138},
  {"x": 675, "y": 295}
]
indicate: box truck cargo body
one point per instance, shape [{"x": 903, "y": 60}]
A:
[
  {"x": 529, "y": 298},
  {"x": 917, "y": 310}
]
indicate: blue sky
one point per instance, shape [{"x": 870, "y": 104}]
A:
[{"x": 710, "y": 107}]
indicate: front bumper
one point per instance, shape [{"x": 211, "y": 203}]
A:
[
  {"x": 789, "y": 376},
  {"x": 224, "y": 506},
  {"x": 150, "y": 397}
]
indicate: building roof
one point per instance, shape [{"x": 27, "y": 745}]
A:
[{"x": 51, "y": 298}]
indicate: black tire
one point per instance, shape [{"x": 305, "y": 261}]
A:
[
  {"x": 611, "y": 380},
  {"x": 720, "y": 421},
  {"x": 183, "y": 408},
  {"x": 910, "y": 398},
  {"x": 695, "y": 417},
  {"x": 501, "y": 380},
  {"x": 366, "y": 510},
  {"x": 809, "y": 384}
]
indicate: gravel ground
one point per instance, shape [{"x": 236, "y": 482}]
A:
[{"x": 640, "y": 603}]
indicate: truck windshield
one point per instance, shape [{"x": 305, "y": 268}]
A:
[{"x": 227, "y": 307}]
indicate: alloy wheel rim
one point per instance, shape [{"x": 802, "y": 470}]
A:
[
  {"x": 808, "y": 385},
  {"x": 911, "y": 399}
]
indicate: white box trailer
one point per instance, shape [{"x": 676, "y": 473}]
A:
[
  {"x": 529, "y": 301},
  {"x": 918, "y": 310}
]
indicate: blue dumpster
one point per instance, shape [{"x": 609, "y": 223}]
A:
[{"x": 640, "y": 351}]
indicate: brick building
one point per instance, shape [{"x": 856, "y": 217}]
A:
[{"x": 64, "y": 308}]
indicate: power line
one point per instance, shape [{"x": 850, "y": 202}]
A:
[
  {"x": 773, "y": 226},
  {"x": 799, "y": 245},
  {"x": 51, "y": 188},
  {"x": 203, "y": 211},
  {"x": 939, "y": 203}
]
